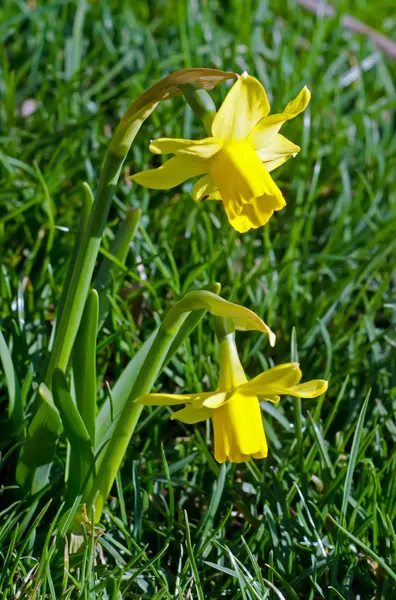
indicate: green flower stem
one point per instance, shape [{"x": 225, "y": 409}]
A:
[
  {"x": 223, "y": 327},
  {"x": 129, "y": 417},
  {"x": 33, "y": 473},
  {"x": 201, "y": 104},
  {"x": 69, "y": 322}
]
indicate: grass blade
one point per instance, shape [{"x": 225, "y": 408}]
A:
[
  {"x": 348, "y": 483},
  {"x": 119, "y": 249},
  {"x": 15, "y": 408}
]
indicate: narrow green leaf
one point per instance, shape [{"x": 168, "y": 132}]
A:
[
  {"x": 84, "y": 364},
  {"x": 119, "y": 250},
  {"x": 190, "y": 551},
  {"x": 286, "y": 585},
  {"x": 15, "y": 408},
  {"x": 82, "y": 457},
  {"x": 87, "y": 200},
  {"x": 348, "y": 484},
  {"x": 321, "y": 444},
  {"x": 137, "y": 526},
  {"x": 112, "y": 407},
  {"x": 35, "y": 459},
  {"x": 206, "y": 525},
  {"x": 352, "y": 460},
  {"x": 361, "y": 544},
  {"x": 41, "y": 441},
  {"x": 298, "y": 427},
  {"x": 74, "y": 426},
  {"x": 48, "y": 205},
  {"x": 171, "y": 509}
]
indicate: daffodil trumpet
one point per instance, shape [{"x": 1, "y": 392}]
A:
[
  {"x": 234, "y": 407},
  {"x": 236, "y": 159}
]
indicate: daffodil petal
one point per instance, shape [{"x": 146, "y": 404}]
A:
[
  {"x": 245, "y": 104},
  {"x": 265, "y": 130},
  {"x": 274, "y": 381},
  {"x": 299, "y": 103},
  {"x": 310, "y": 389},
  {"x": 171, "y": 399},
  {"x": 173, "y": 145},
  {"x": 217, "y": 400},
  {"x": 274, "y": 399},
  {"x": 278, "y": 147},
  {"x": 172, "y": 173},
  {"x": 191, "y": 415},
  {"x": 271, "y": 165},
  {"x": 204, "y": 149},
  {"x": 205, "y": 189}
]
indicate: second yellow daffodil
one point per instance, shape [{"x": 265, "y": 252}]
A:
[
  {"x": 234, "y": 407},
  {"x": 237, "y": 160}
]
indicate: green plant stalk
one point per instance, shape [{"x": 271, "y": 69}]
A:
[
  {"x": 71, "y": 315},
  {"x": 201, "y": 103},
  {"x": 129, "y": 417},
  {"x": 31, "y": 474},
  {"x": 85, "y": 263},
  {"x": 87, "y": 201}
]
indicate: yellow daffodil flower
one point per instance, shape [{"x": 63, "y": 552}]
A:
[
  {"x": 237, "y": 160},
  {"x": 234, "y": 407}
]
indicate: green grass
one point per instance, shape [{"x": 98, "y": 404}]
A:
[{"x": 316, "y": 519}]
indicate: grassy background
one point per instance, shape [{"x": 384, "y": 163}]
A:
[{"x": 178, "y": 525}]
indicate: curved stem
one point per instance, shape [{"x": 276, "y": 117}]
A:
[{"x": 129, "y": 417}]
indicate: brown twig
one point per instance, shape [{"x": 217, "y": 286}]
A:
[{"x": 325, "y": 10}]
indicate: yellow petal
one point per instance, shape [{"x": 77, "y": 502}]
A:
[
  {"x": 278, "y": 147},
  {"x": 274, "y": 399},
  {"x": 205, "y": 189},
  {"x": 238, "y": 430},
  {"x": 172, "y": 173},
  {"x": 191, "y": 415},
  {"x": 200, "y": 148},
  {"x": 243, "y": 318},
  {"x": 171, "y": 399},
  {"x": 216, "y": 400},
  {"x": 271, "y": 165},
  {"x": 310, "y": 389},
  {"x": 269, "y": 126},
  {"x": 245, "y": 104},
  {"x": 299, "y": 103},
  {"x": 274, "y": 381}
]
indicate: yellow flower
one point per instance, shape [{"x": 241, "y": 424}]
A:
[
  {"x": 237, "y": 160},
  {"x": 234, "y": 407}
]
